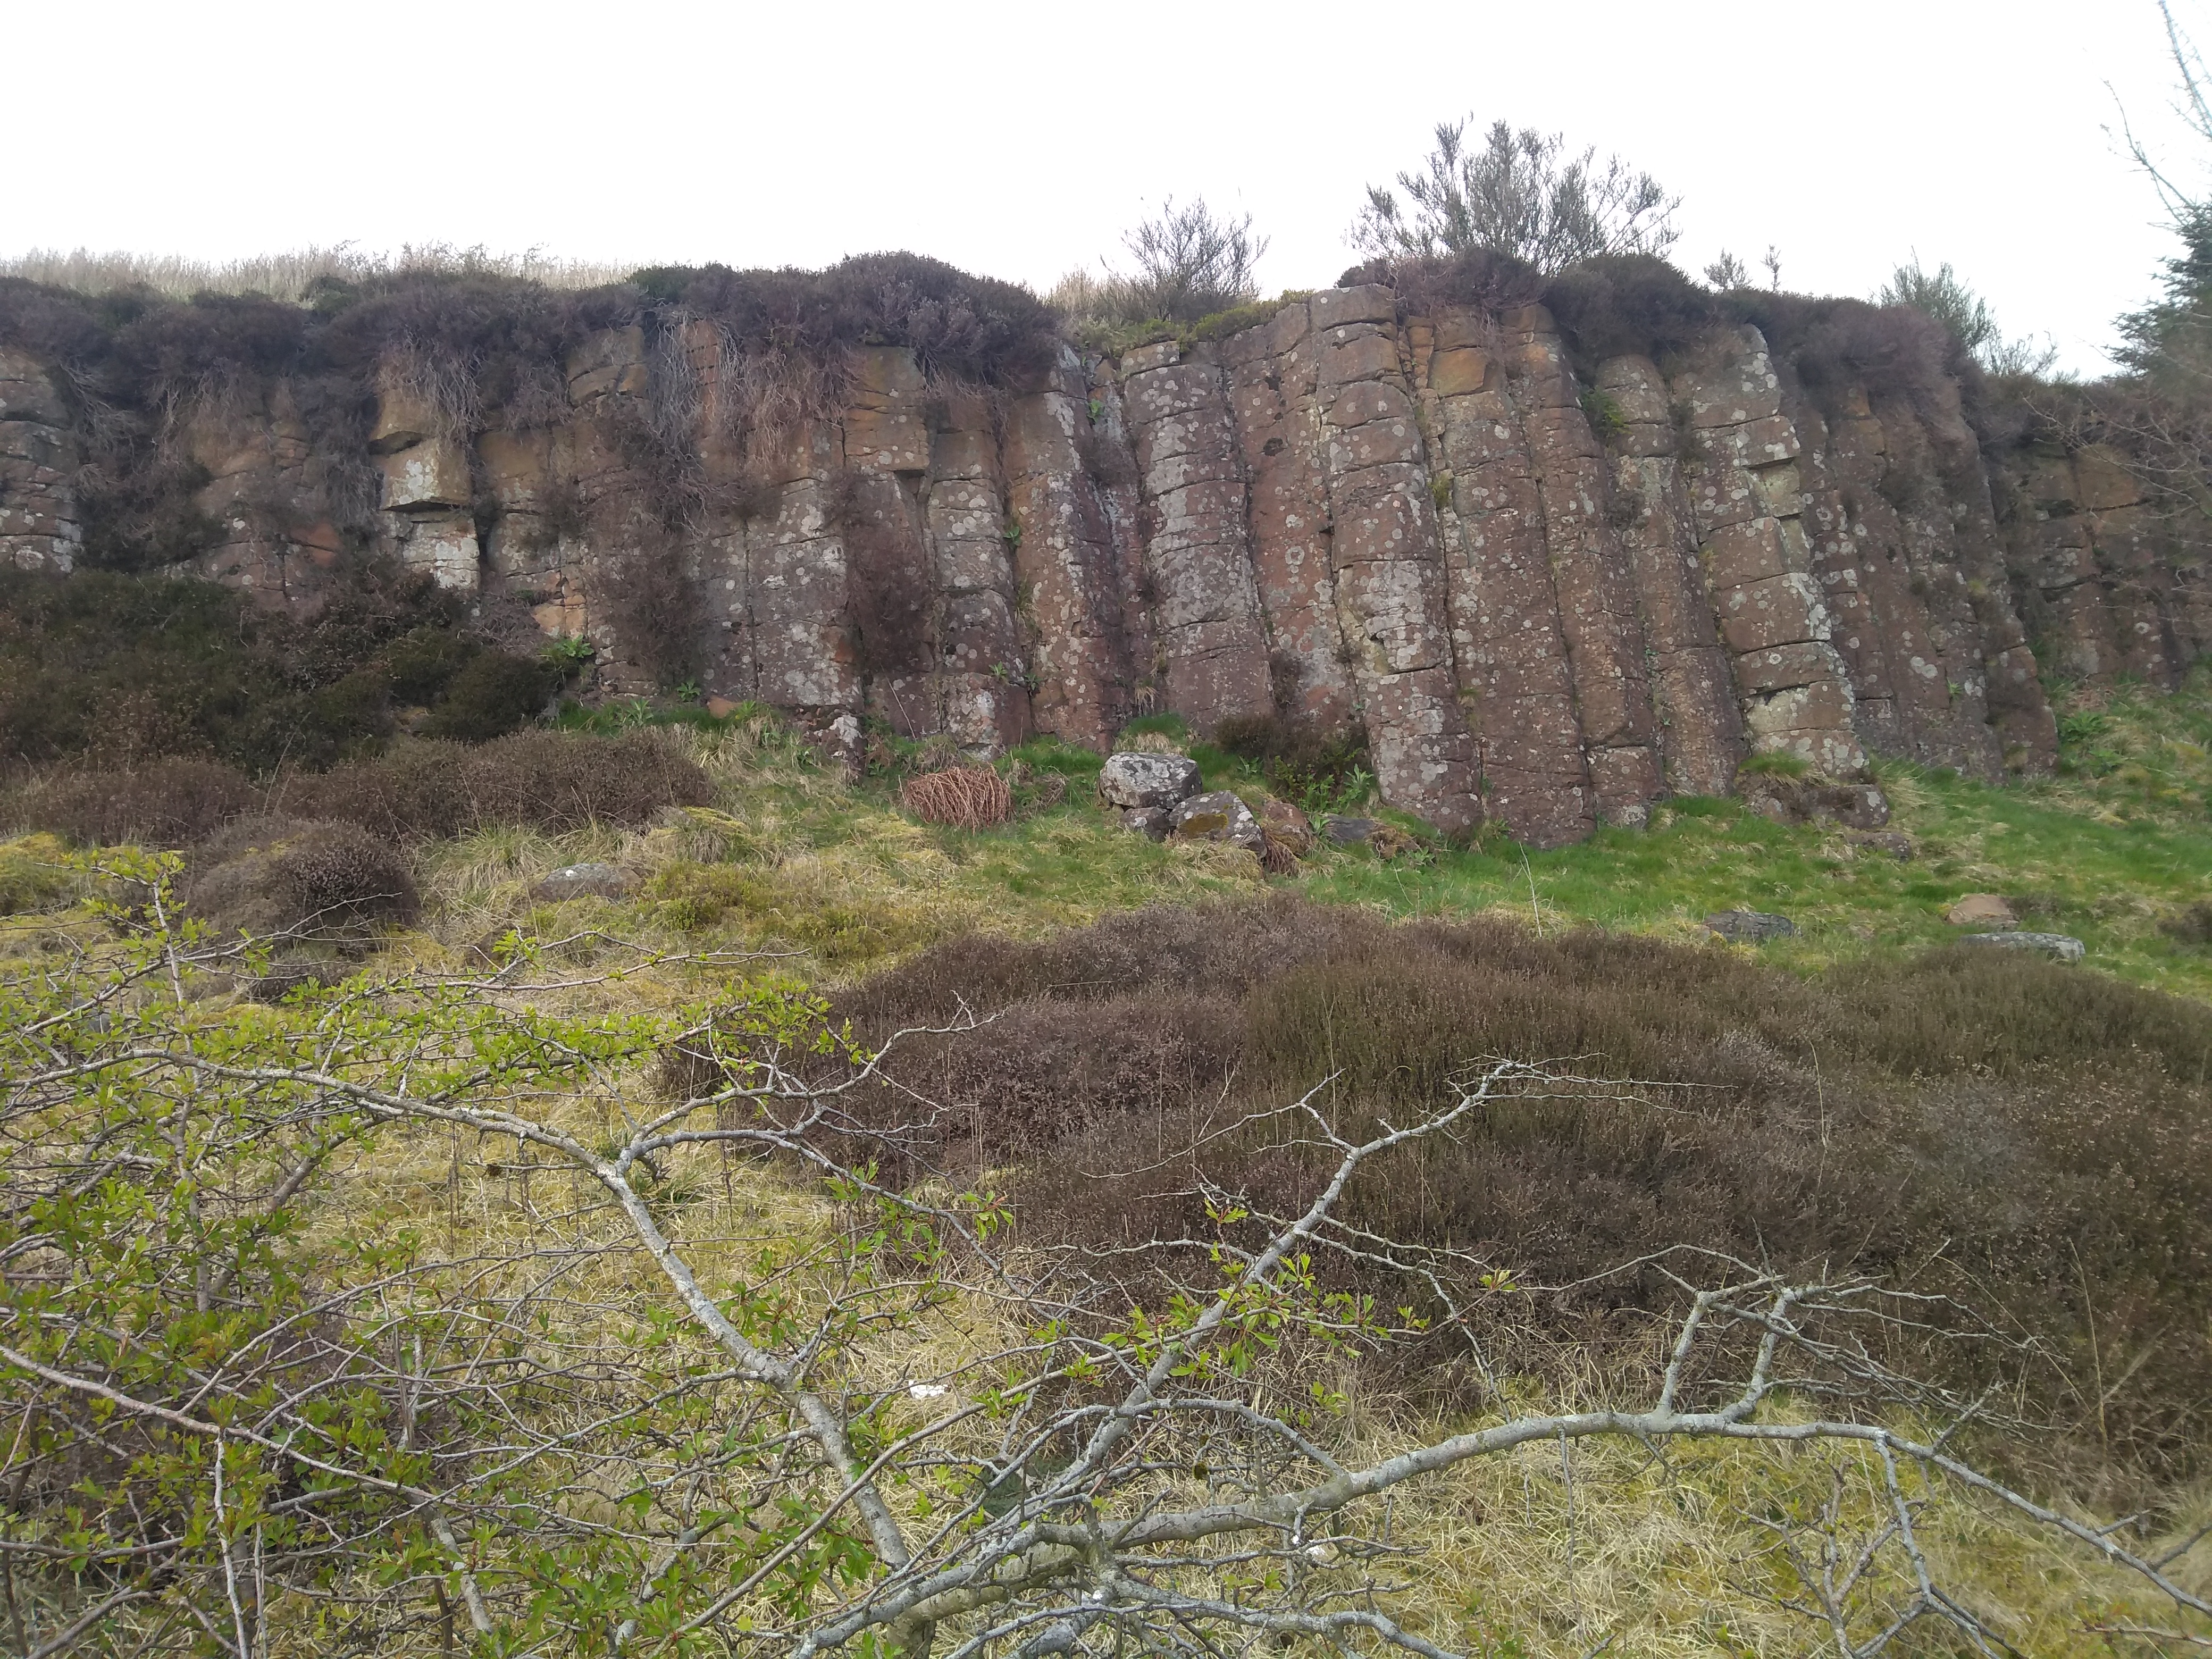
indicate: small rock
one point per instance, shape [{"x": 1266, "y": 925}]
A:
[
  {"x": 1895, "y": 842},
  {"x": 1130, "y": 779},
  {"x": 2057, "y": 946},
  {"x": 1750, "y": 927},
  {"x": 575, "y": 881},
  {"x": 1286, "y": 828},
  {"x": 1348, "y": 832},
  {"x": 1981, "y": 910},
  {"x": 1219, "y": 815},
  {"x": 1149, "y": 822},
  {"x": 1805, "y": 800}
]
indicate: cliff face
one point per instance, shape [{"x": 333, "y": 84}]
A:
[{"x": 1551, "y": 599}]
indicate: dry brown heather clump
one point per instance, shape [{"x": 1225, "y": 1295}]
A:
[
  {"x": 2032, "y": 1140},
  {"x": 555, "y": 782}
]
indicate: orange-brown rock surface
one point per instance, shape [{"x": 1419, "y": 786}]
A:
[{"x": 1551, "y": 590}]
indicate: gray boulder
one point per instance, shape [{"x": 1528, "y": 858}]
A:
[
  {"x": 575, "y": 881},
  {"x": 1133, "y": 779},
  {"x": 1218, "y": 815},
  {"x": 1149, "y": 822},
  {"x": 1750, "y": 927},
  {"x": 2057, "y": 946}
]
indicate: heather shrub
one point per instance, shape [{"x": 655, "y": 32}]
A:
[
  {"x": 300, "y": 881},
  {"x": 1978, "y": 1125},
  {"x": 162, "y": 803},
  {"x": 551, "y": 780}
]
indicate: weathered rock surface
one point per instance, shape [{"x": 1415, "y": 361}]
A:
[
  {"x": 1551, "y": 590},
  {"x": 1750, "y": 927},
  {"x": 1133, "y": 779},
  {"x": 575, "y": 881},
  {"x": 2060, "y": 947},
  {"x": 1987, "y": 910},
  {"x": 1218, "y": 815}
]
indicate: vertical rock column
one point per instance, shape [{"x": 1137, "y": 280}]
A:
[
  {"x": 39, "y": 524},
  {"x": 1700, "y": 726},
  {"x": 1064, "y": 560},
  {"x": 1590, "y": 571},
  {"x": 1509, "y": 651},
  {"x": 1388, "y": 562},
  {"x": 1274, "y": 373},
  {"x": 795, "y": 558},
  {"x": 1857, "y": 463},
  {"x": 2126, "y": 543},
  {"x": 981, "y": 699},
  {"x": 1748, "y": 498},
  {"x": 1197, "y": 556},
  {"x": 891, "y": 586},
  {"x": 1914, "y": 486},
  {"x": 2018, "y": 731},
  {"x": 1853, "y": 579}
]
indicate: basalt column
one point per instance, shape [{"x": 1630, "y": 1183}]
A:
[
  {"x": 1198, "y": 553},
  {"x": 1590, "y": 571},
  {"x": 1748, "y": 499},
  {"x": 1701, "y": 726},
  {"x": 891, "y": 588},
  {"x": 982, "y": 701},
  {"x": 1064, "y": 560},
  {"x": 1924, "y": 514},
  {"x": 1387, "y": 562},
  {"x": 2017, "y": 731},
  {"x": 1508, "y": 649},
  {"x": 39, "y": 524},
  {"x": 1274, "y": 373}
]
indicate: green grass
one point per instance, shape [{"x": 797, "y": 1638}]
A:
[{"x": 2107, "y": 851}]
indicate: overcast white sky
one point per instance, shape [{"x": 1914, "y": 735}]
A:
[{"x": 1019, "y": 140}]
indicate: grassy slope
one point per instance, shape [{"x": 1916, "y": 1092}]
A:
[
  {"x": 2114, "y": 850},
  {"x": 2120, "y": 841}
]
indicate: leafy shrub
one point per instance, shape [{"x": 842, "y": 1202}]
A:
[
  {"x": 1627, "y": 304},
  {"x": 492, "y": 694},
  {"x": 1319, "y": 770},
  {"x": 1520, "y": 194}
]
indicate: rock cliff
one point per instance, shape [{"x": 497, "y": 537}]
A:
[{"x": 1553, "y": 587}]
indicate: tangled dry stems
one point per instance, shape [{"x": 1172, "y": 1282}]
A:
[{"x": 962, "y": 797}]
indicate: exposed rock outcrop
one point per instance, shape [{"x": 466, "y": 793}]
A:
[{"x": 1552, "y": 589}]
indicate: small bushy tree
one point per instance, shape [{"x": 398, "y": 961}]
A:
[
  {"x": 1967, "y": 317},
  {"x": 1518, "y": 192}
]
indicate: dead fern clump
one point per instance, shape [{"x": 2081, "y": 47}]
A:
[{"x": 964, "y": 797}]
